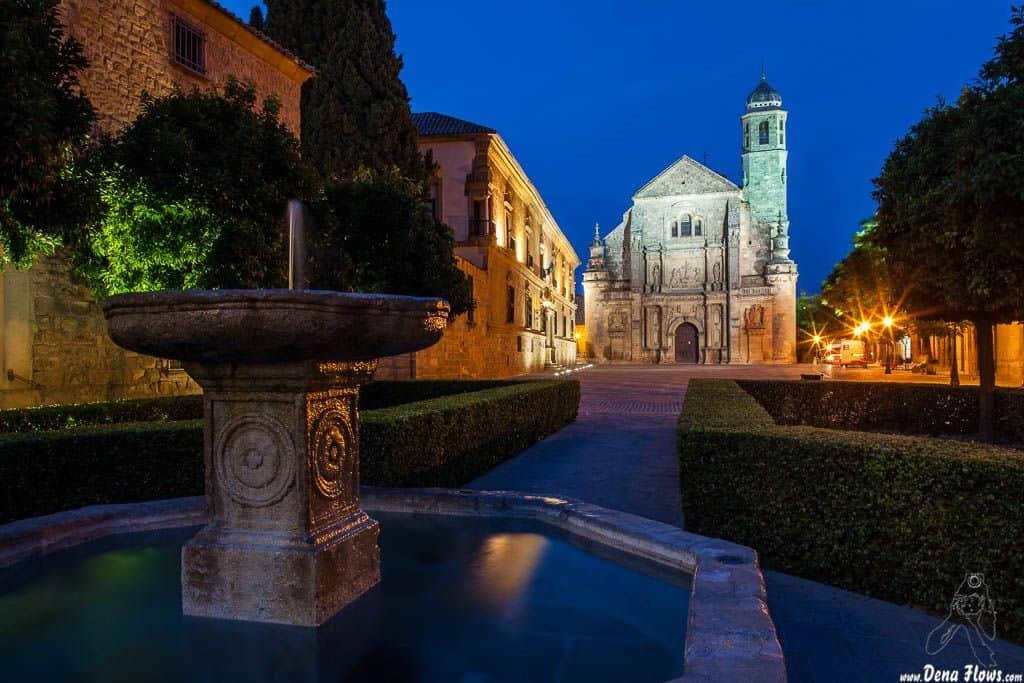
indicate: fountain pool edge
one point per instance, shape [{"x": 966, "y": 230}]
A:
[{"x": 730, "y": 634}]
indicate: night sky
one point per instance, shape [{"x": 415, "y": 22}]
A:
[{"x": 595, "y": 97}]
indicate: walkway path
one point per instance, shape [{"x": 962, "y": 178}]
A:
[{"x": 621, "y": 453}]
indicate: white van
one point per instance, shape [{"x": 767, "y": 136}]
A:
[{"x": 847, "y": 352}]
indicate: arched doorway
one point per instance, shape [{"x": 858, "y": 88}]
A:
[{"x": 687, "y": 348}]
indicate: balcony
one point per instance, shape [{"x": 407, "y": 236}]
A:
[{"x": 481, "y": 227}]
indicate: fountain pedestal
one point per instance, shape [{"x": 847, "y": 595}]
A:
[
  {"x": 280, "y": 371},
  {"x": 287, "y": 542}
]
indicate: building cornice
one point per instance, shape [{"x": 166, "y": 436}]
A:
[{"x": 233, "y": 28}]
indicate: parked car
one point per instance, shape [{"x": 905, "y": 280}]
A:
[{"x": 847, "y": 352}]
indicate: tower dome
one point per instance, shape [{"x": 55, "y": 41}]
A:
[{"x": 764, "y": 96}]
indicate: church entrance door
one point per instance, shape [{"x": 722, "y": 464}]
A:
[{"x": 686, "y": 344}]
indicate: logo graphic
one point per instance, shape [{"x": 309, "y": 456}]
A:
[{"x": 973, "y": 606}]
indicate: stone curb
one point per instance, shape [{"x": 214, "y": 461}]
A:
[{"x": 730, "y": 634}]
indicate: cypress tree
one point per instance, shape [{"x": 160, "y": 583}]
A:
[{"x": 355, "y": 113}]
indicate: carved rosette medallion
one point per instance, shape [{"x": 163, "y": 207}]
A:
[
  {"x": 255, "y": 460},
  {"x": 332, "y": 447}
]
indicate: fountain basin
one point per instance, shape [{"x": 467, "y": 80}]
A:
[
  {"x": 729, "y": 634},
  {"x": 273, "y": 325}
]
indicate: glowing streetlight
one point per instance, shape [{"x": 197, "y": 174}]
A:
[{"x": 887, "y": 321}]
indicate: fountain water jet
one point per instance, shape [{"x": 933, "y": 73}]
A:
[{"x": 280, "y": 371}]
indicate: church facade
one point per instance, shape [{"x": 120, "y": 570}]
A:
[{"x": 699, "y": 269}]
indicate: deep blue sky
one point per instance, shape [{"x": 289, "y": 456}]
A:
[{"x": 595, "y": 97}]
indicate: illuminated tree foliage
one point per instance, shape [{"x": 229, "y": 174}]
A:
[
  {"x": 194, "y": 192},
  {"x": 951, "y": 206},
  {"x": 861, "y": 286},
  {"x": 44, "y": 124}
]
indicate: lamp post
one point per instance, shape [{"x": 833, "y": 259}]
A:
[{"x": 887, "y": 324}]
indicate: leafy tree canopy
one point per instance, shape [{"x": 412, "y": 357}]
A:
[
  {"x": 194, "y": 193},
  {"x": 375, "y": 234},
  {"x": 44, "y": 124},
  {"x": 355, "y": 113}
]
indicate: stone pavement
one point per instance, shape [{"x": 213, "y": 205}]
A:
[{"x": 620, "y": 453}]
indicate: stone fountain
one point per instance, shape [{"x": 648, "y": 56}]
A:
[{"x": 280, "y": 371}]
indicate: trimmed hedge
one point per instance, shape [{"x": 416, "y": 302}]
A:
[
  {"x": 906, "y": 408},
  {"x": 901, "y": 518},
  {"x": 443, "y": 442},
  {"x": 385, "y": 394},
  {"x": 49, "y": 418},
  {"x": 375, "y": 395},
  {"x": 453, "y": 440},
  {"x": 51, "y": 471}
]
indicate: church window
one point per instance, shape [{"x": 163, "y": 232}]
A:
[
  {"x": 529, "y": 309},
  {"x": 698, "y": 228},
  {"x": 762, "y": 133},
  {"x": 675, "y": 228},
  {"x": 685, "y": 227},
  {"x": 746, "y": 135},
  {"x": 510, "y": 304}
]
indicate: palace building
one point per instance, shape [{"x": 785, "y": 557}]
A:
[
  {"x": 699, "y": 269},
  {"x": 521, "y": 266}
]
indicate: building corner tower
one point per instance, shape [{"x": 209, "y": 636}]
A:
[{"x": 765, "y": 157}]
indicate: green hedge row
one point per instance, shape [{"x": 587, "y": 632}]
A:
[
  {"x": 906, "y": 408},
  {"x": 385, "y": 394},
  {"x": 901, "y": 518},
  {"x": 61, "y": 470},
  {"x": 49, "y": 418},
  {"x": 373, "y": 396},
  {"x": 443, "y": 442},
  {"x": 453, "y": 440}
]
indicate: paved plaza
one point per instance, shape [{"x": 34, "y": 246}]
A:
[{"x": 621, "y": 453}]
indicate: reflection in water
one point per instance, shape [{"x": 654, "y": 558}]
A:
[
  {"x": 506, "y": 570},
  {"x": 461, "y": 599}
]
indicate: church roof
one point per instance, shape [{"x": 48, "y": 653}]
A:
[
  {"x": 764, "y": 96},
  {"x": 686, "y": 176},
  {"x": 433, "y": 124}
]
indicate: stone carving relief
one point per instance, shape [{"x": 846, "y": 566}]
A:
[
  {"x": 755, "y": 317},
  {"x": 255, "y": 461},
  {"x": 716, "y": 327},
  {"x": 617, "y": 322},
  {"x": 717, "y": 272},
  {"x": 656, "y": 278},
  {"x": 332, "y": 447},
  {"x": 686, "y": 275}
]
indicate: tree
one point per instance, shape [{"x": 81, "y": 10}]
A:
[
  {"x": 381, "y": 237},
  {"x": 44, "y": 126},
  {"x": 355, "y": 113},
  {"x": 951, "y": 207},
  {"x": 194, "y": 192}
]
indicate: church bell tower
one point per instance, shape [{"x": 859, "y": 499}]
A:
[{"x": 764, "y": 163}]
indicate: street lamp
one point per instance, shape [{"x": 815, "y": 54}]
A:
[{"x": 887, "y": 322}]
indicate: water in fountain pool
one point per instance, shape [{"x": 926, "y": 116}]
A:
[{"x": 461, "y": 599}]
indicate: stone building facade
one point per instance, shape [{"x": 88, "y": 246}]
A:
[
  {"x": 157, "y": 46},
  {"x": 1007, "y": 344},
  {"x": 55, "y": 347},
  {"x": 699, "y": 269},
  {"x": 506, "y": 240}
]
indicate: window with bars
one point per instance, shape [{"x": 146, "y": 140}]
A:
[{"x": 189, "y": 46}]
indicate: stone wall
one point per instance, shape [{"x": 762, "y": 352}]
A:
[
  {"x": 486, "y": 345},
  {"x": 70, "y": 358},
  {"x": 129, "y": 47}
]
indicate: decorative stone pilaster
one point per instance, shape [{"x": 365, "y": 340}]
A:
[{"x": 287, "y": 542}]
